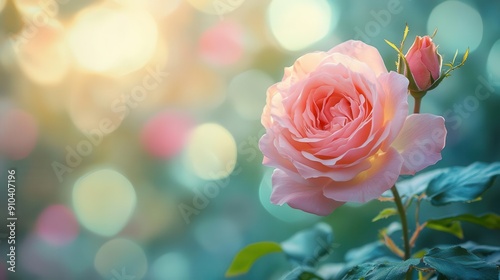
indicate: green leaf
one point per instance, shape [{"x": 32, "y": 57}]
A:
[
  {"x": 464, "y": 58},
  {"x": 490, "y": 220},
  {"x": 419, "y": 254},
  {"x": 387, "y": 212},
  {"x": 462, "y": 184},
  {"x": 412, "y": 83},
  {"x": 458, "y": 263},
  {"x": 308, "y": 276},
  {"x": 308, "y": 246},
  {"x": 245, "y": 258},
  {"x": 454, "y": 58},
  {"x": 400, "y": 69},
  {"x": 452, "y": 224},
  {"x": 452, "y": 227},
  {"x": 382, "y": 271}
]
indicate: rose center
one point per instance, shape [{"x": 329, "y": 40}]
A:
[{"x": 334, "y": 113}]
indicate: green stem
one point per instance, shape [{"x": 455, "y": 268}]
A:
[
  {"x": 416, "y": 108},
  {"x": 404, "y": 222}
]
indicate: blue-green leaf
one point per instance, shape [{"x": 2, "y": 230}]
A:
[
  {"x": 245, "y": 258},
  {"x": 308, "y": 246},
  {"x": 458, "y": 263},
  {"x": 359, "y": 271},
  {"x": 486, "y": 252},
  {"x": 302, "y": 273},
  {"x": 415, "y": 185},
  {"x": 381, "y": 271},
  {"x": 369, "y": 253},
  {"x": 462, "y": 184}
]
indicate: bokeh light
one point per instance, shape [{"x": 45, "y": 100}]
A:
[
  {"x": 18, "y": 133},
  {"x": 171, "y": 266},
  {"x": 459, "y": 25},
  {"x": 218, "y": 235},
  {"x": 44, "y": 57},
  {"x": 120, "y": 258},
  {"x": 155, "y": 215},
  {"x": 42, "y": 260},
  {"x": 104, "y": 201},
  {"x": 165, "y": 134},
  {"x": 57, "y": 225},
  {"x": 205, "y": 88},
  {"x": 161, "y": 8},
  {"x": 216, "y": 7},
  {"x": 158, "y": 8},
  {"x": 222, "y": 44},
  {"x": 38, "y": 11},
  {"x": 211, "y": 151},
  {"x": 98, "y": 105},
  {"x": 113, "y": 41},
  {"x": 247, "y": 92},
  {"x": 297, "y": 24},
  {"x": 284, "y": 212},
  {"x": 493, "y": 64}
]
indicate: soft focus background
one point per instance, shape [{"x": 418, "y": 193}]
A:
[{"x": 133, "y": 127}]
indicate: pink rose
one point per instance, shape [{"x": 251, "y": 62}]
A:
[
  {"x": 424, "y": 61},
  {"x": 337, "y": 130}
]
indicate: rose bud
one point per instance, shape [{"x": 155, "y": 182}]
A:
[{"x": 424, "y": 62}]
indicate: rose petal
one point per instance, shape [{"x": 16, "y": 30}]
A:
[
  {"x": 395, "y": 104},
  {"x": 300, "y": 195},
  {"x": 303, "y": 66},
  {"x": 363, "y": 53},
  {"x": 431, "y": 60},
  {"x": 419, "y": 71},
  {"x": 272, "y": 156},
  {"x": 369, "y": 184},
  {"x": 420, "y": 142}
]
